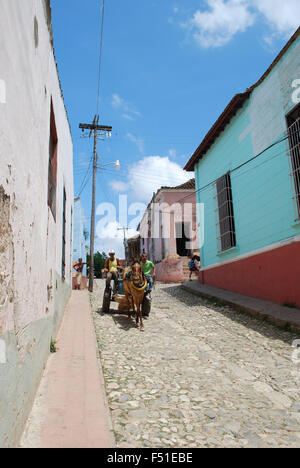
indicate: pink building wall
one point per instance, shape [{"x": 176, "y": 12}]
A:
[{"x": 170, "y": 206}]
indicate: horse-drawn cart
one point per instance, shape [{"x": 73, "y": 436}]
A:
[{"x": 123, "y": 305}]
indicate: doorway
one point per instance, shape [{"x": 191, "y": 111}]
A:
[{"x": 182, "y": 239}]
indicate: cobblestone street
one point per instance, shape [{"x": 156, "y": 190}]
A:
[{"x": 201, "y": 375}]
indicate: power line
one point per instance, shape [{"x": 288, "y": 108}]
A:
[
  {"x": 85, "y": 179},
  {"x": 100, "y": 58},
  {"x": 243, "y": 164},
  {"x": 145, "y": 175}
]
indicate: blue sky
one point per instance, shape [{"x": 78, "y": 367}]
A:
[{"x": 168, "y": 71}]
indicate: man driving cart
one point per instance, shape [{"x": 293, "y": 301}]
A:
[{"x": 112, "y": 267}]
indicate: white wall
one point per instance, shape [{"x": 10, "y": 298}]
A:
[{"x": 33, "y": 247}]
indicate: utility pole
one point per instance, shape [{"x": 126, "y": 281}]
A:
[
  {"x": 96, "y": 129},
  {"x": 124, "y": 229}
]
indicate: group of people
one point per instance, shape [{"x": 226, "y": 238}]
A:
[{"x": 113, "y": 266}]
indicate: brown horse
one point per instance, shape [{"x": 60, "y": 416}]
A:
[{"x": 134, "y": 283}]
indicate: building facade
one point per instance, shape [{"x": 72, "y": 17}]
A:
[
  {"x": 36, "y": 207},
  {"x": 133, "y": 248},
  {"x": 248, "y": 179},
  {"x": 169, "y": 225}
]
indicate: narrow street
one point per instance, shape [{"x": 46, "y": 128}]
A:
[{"x": 201, "y": 375}]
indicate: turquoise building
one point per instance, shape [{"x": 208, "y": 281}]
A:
[{"x": 247, "y": 172}]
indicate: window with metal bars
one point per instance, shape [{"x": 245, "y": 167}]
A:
[
  {"x": 63, "y": 269},
  {"x": 293, "y": 122},
  {"x": 225, "y": 214},
  {"x": 52, "y": 167}
]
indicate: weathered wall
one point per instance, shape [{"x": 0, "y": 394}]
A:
[{"x": 30, "y": 239}]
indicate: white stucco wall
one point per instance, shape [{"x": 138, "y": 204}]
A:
[{"x": 31, "y": 249}]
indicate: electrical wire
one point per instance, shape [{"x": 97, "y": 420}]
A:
[
  {"x": 85, "y": 179},
  {"x": 232, "y": 170},
  {"x": 88, "y": 174},
  {"x": 243, "y": 164},
  {"x": 100, "y": 58}
]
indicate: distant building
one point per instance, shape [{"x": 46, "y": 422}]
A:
[
  {"x": 248, "y": 178},
  {"x": 169, "y": 225},
  {"x": 133, "y": 248},
  {"x": 36, "y": 207},
  {"x": 80, "y": 241}
]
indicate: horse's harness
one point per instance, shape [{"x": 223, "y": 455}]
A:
[{"x": 141, "y": 286}]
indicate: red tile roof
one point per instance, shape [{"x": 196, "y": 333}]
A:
[{"x": 189, "y": 185}]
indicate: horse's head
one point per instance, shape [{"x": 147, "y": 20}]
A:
[{"x": 137, "y": 274}]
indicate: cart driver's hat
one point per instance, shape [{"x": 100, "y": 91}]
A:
[{"x": 111, "y": 252}]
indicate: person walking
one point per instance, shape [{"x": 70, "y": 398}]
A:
[
  {"x": 194, "y": 265},
  {"x": 78, "y": 267}
]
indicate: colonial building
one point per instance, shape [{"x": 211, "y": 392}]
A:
[
  {"x": 169, "y": 225},
  {"x": 248, "y": 179},
  {"x": 36, "y": 207},
  {"x": 169, "y": 231},
  {"x": 133, "y": 248}
]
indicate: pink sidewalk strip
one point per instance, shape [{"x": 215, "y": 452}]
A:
[{"x": 70, "y": 409}]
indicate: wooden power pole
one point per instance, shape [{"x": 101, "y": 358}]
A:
[
  {"x": 96, "y": 129},
  {"x": 124, "y": 229}
]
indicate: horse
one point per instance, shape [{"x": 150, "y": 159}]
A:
[{"x": 135, "y": 283}]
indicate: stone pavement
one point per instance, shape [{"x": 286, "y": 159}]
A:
[
  {"x": 201, "y": 375},
  {"x": 280, "y": 315},
  {"x": 70, "y": 409}
]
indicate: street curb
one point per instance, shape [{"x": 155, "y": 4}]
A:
[
  {"x": 281, "y": 319},
  {"x": 102, "y": 381}
]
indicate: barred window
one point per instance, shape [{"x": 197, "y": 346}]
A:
[
  {"x": 52, "y": 168},
  {"x": 293, "y": 122},
  {"x": 225, "y": 214}
]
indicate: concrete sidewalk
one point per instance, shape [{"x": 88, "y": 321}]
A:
[
  {"x": 70, "y": 409},
  {"x": 284, "y": 317}
]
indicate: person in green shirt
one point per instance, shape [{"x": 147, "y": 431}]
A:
[{"x": 149, "y": 271}]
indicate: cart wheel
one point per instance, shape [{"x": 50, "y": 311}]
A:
[
  {"x": 106, "y": 302},
  {"x": 146, "y": 306}
]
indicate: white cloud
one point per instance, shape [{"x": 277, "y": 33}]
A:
[
  {"x": 83, "y": 160},
  {"x": 153, "y": 172},
  {"x": 116, "y": 101},
  {"x": 172, "y": 153},
  {"x": 283, "y": 16},
  {"x": 128, "y": 117},
  {"x": 139, "y": 142},
  {"x": 119, "y": 186},
  {"x": 110, "y": 237},
  {"x": 216, "y": 25},
  {"x": 129, "y": 110}
]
